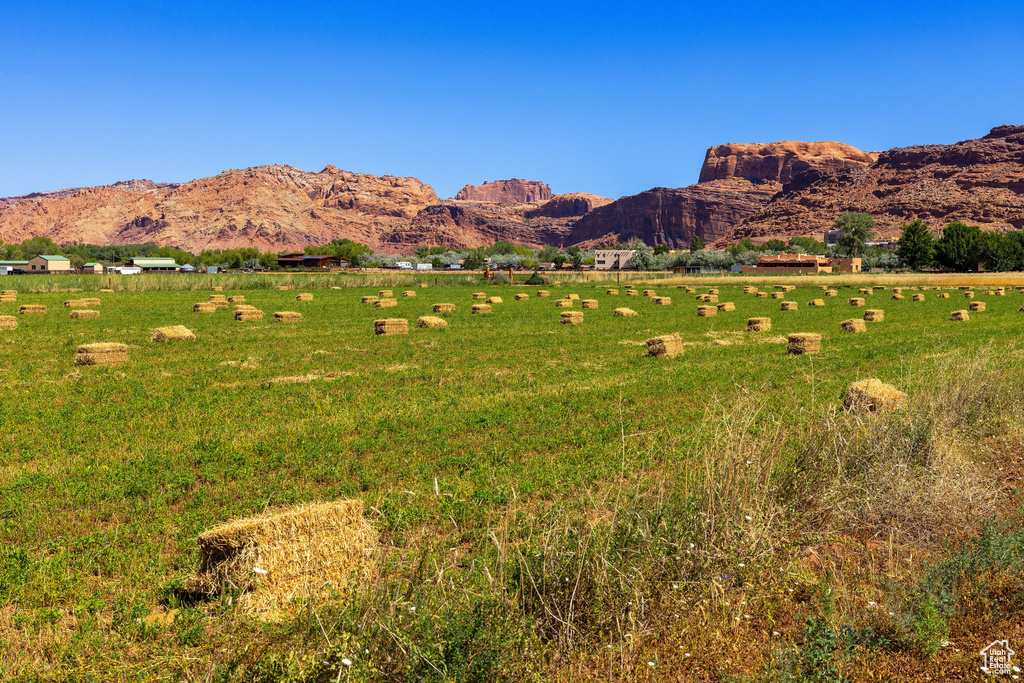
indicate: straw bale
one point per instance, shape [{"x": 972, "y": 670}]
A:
[
  {"x": 977, "y": 306},
  {"x": 968, "y": 295},
  {"x": 874, "y": 315},
  {"x": 573, "y": 297},
  {"x": 777, "y": 295},
  {"x": 444, "y": 308},
  {"x": 991, "y": 292},
  {"x": 823, "y": 287},
  {"x": 707, "y": 311},
  {"x": 305, "y": 296},
  {"x": 390, "y": 326},
  {"x": 713, "y": 290},
  {"x": 633, "y": 292},
  {"x": 563, "y": 303},
  {"x": 897, "y": 297},
  {"x": 284, "y": 288},
  {"x": 662, "y": 300},
  {"x": 689, "y": 290},
  {"x": 10, "y": 292},
  {"x": 897, "y": 290},
  {"x": 612, "y": 292},
  {"x": 216, "y": 298},
  {"x": 385, "y": 303},
  {"x": 81, "y": 303},
  {"x": 542, "y": 293},
  {"x": 203, "y": 307},
  {"x": 480, "y": 295},
  {"x": 804, "y": 342},
  {"x": 336, "y": 287},
  {"x": 248, "y": 316},
  {"x": 816, "y": 302},
  {"x": 305, "y": 553},
  {"x": 238, "y": 299},
  {"x": 104, "y": 353},
  {"x": 630, "y": 313},
  {"x": 854, "y": 325},
  {"x": 8, "y": 322},
  {"x": 759, "y": 324},
  {"x": 762, "y": 295},
  {"x": 665, "y": 346},
  {"x": 918, "y": 297},
  {"x": 173, "y": 333},
  {"x": 32, "y": 309},
  {"x": 8, "y": 299},
  {"x": 409, "y": 292},
  {"x": 943, "y": 295},
  {"x": 650, "y": 292},
  {"x": 781, "y": 288},
  {"x": 522, "y": 297},
  {"x": 711, "y": 298},
  {"x": 872, "y": 396},
  {"x": 80, "y": 313},
  {"x": 216, "y": 289},
  {"x": 423, "y": 285},
  {"x": 750, "y": 290},
  {"x": 1000, "y": 292},
  {"x": 431, "y": 321},
  {"x": 589, "y": 303},
  {"x": 788, "y": 306},
  {"x": 287, "y": 317},
  {"x": 571, "y": 317},
  {"x": 385, "y": 294},
  {"x": 879, "y": 287},
  {"x": 865, "y": 292},
  {"x": 727, "y": 306},
  {"x": 369, "y": 299},
  {"x": 831, "y": 292},
  {"x": 494, "y": 300},
  {"x": 481, "y": 308},
  {"x": 855, "y": 301},
  {"x": 244, "y": 307}
]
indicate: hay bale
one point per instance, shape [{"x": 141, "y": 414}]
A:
[
  {"x": 943, "y": 295},
  {"x": 571, "y": 317},
  {"x": 918, "y": 297},
  {"x": 777, "y": 295},
  {"x": 855, "y": 301},
  {"x": 385, "y": 303},
  {"x": 287, "y": 317},
  {"x": 444, "y": 308},
  {"x": 991, "y": 292},
  {"x": 865, "y": 292},
  {"x": 662, "y": 300},
  {"x": 494, "y": 300},
  {"x": 480, "y": 295},
  {"x": 81, "y": 303},
  {"x": 707, "y": 311},
  {"x": 244, "y": 307},
  {"x": 727, "y": 306},
  {"x": 203, "y": 307},
  {"x": 630, "y": 313},
  {"x": 713, "y": 290},
  {"x": 689, "y": 290},
  {"x": 80, "y": 313},
  {"x": 750, "y": 290},
  {"x": 105, "y": 353},
  {"x": 285, "y": 288},
  {"x": 711, "y": 298},
  {"x": 762, "y": 295},
  {"x": 8, "y": 322},
  {"x": 612, "y": 292},
  {"x": 804, "y": 342},
  {"x": 788, "y": 306},
  {"x": 481, "y": 308},
  {"x": 173, "y": 333},
  {"x": 650, "y": 292},
  {"x": 831, "y": 292},
  {"x": 563, "y": 303},
  {"x": 369, "y": 299},
  {"x": 759, "y": 324},
  {"x": 431, "y": 322},
  {"x": 218, "y": 298},
  {"x": 872, "y": 396},
  {"x": 960, "y": 316},
  {"x": 409, "y": 292},
  {"x": 248, "y": 316},
  {"x": 8, "y": 299},
  {"x": 32, "y": 309},
  {"x": 573, "y": 297},
  {"x": 977, "y": 306},
  {"x": 968, "y": 295},
  {"x": 522, "y": 297},
  {"x": 11, "y": 292},
  {"x": 590, "y": 303},
  {"x": 390, "y": 326},
  {"x": 816, "y": 302},
  {"x": 874, "y": 315},
  {"x": 543, "y": 293},
  {"x": 385, "y": 294},
  {"x": 665, "y": 346},
  {"x": 632, "y": 292},
  {"x": 216, "y": 289},
  {"x": 854, "y": 325},
  {"x": 897, "y": 297},
  {"x": 238, "y": 299},
  {"x": 305, "y": 553},
  {"x": 305, "y": 296},
  {"x": 1000, "y": 292}
]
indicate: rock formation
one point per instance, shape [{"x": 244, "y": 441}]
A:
[
  {"x": 458, "y": 226},
  {"x": 779, "y": 162},
  {"x": 568, "y": 205},
  {"x": 980, "y": 182},
  {"x": 506, "y": 192}
]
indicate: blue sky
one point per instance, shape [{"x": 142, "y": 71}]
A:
[{"x": 596, "y": 97}]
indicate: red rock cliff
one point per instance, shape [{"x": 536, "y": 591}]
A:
[
  {"x": 506, "y": 192},
  {"x": 778, "y": 162}
]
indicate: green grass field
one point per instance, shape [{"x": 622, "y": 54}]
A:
[{"x": 501, "y": 449}]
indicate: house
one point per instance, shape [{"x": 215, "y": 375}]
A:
[
  {"x": 47, "y": 263},
  {"x": 299, "y": 260},
  {"x": 156, "y": 264},
  {"x": 613, "y": 259},
  {"x": 802, "y": 264},
  {"x": 94, "y": 267}
]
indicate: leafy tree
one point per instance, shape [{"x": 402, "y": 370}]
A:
[
  {"x": 535, "y": 279},
  {"x": 960, "y": 247},
  {"x": 438, "y": 250},
  {"x": 661, "y": 249},
  {"x": 643, "y": 258},
  {"x": 575, "y": 255},
  {"x": 805, "y": 245},
  {"x": 559, "y": 260},
  {"x": 696, "y": 244},
  {"x": 547, "y": 254},
  {"x": 857, "y": 228},
  {"x": 35, "y": 246},
  {"x": 474, "y": 260},
  {"x": 773, "y": 245},
  {"x": 917, "y": 246},
  {"x": 529, "y": 263},
  {"x": 421, "y": 251}
]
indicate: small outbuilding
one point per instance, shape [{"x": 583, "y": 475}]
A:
[
  {"x": 47, "y": 263},
  {"x": 96, "y": 268}
]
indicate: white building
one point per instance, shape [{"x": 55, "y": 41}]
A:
[{"x": 613, "y": 259}]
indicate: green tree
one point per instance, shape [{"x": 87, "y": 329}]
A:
[
  {"x": 559, "y": 260},
  {"x": 35, "y": 246},
  {"x": 805, "y": 245},
  {"x": 773, "y": 245},
  {"x": 857, "y": 228},
  {"x": 661, "y": 249},
  {"x": 547, "y": 254},
  {"x": 421, "y": 251},
  {"x": 917, "y": 245},
  {"x": 474, "y": 260},
  {"x": 960, "y": 247},
  {"x": 643, "y": 257},
  {"x": 696, "y": 244},
  {"x": 575, "y": 255}
]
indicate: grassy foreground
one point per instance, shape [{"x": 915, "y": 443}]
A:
[{"x": 551, "y": 503}]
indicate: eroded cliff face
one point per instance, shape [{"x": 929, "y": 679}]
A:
[
  {"x": 980, "y": 182},
  {"x": 569, "y": 205},
  {"x": 779, "y": 162},
  {"x": 511, "y": 191},
  {"x": 462, "y": 225}
]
